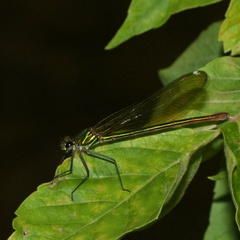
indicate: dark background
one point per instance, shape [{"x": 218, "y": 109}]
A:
[{"x": 56, "y": 79}]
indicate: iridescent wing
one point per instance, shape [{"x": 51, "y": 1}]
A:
[{"x": 164, "y": 106}]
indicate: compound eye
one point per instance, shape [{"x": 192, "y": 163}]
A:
[{"x": 67, "y": 144}]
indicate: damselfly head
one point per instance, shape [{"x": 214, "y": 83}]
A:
[{"x": 67, "y": 144}]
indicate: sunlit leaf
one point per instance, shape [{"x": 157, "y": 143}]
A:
[{"x": 151, "y": 167}]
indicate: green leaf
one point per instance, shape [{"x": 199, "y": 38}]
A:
[
  {"x": 203, "y": 50},
  {"x": 224, "y": 87},
  {"x": 144, "y": 15},
  {"x": 151, "y": 167},
  {"x": 209, "y": 151},
  {"x": 230, "y": 29},
  {"x": 231, "y": 134},
  {"x": 222, "y": 225}
]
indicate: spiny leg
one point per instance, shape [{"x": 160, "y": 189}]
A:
[
  {"x": 86, "y": 168},
  {"x": 99, "y": 155},
  {"x": 108, "y": 159},
  {"x": 69, "y": 171}
]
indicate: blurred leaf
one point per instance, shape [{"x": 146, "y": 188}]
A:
[
  {"x": 203, "y": 50},
  {"x": 144, "y": 15},
  {"x": 222, "y": 225},
  {"x": 231, "y": 134},
  {"x": 219, "y": 176},
  {"x": 230, "y": 29}
]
